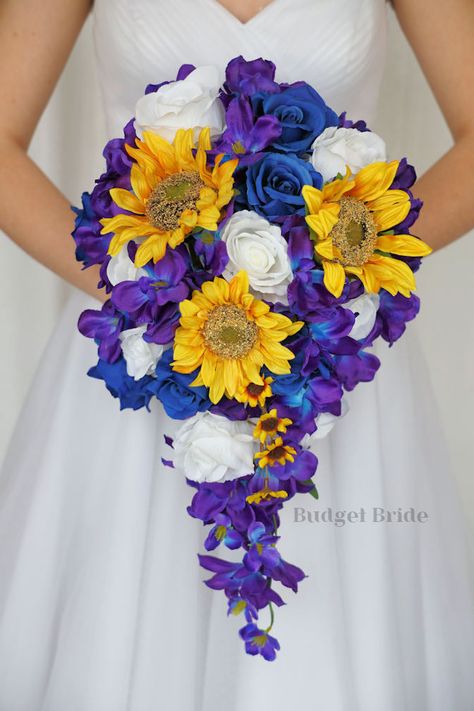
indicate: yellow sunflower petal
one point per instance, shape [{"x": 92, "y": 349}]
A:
[
  {"x": 334, "y": 277},
  {"x": 324, "y": 221},
  {"x": 127, "y": 201},
  {"x": 140, "y": 185},
  {"x": 313, "y": 198},
  {"x": 404, "y": 245},
  {"x": 374, "y": 180},
  {"x": 153, "y": 248}
]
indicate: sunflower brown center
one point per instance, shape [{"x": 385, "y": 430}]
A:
[
  {"x": 171, "y": 197},
  {"x": 270, "y": 424},
  {"x": 228, "y": 332},
  {"x": 277, "y": 453},
  {"x": 355, "y": 233},
  {"x": 254, "y": 389}
]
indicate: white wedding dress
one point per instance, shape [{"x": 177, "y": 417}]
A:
[{"x": 102, "y": 607}]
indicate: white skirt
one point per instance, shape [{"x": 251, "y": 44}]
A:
[{"x": 102, "y": 605}]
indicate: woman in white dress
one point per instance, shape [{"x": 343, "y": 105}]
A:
[{"x": 102, "y": 607}]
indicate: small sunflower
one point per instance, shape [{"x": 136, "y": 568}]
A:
[
  {"x": 349, "y": 216},
  {"x": 266, "y": 494},
  {"x": 276, "y": 453},
  {"x": 255, "y": 394},
  {"x": 269, "y": 425},
  {"x": 173, "y": 192},
  {"x": 229, "y": 335}
]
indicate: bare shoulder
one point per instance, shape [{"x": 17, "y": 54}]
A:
[
  {"x": 36, "y": 38},
  {"x": 442, "y": 37}
]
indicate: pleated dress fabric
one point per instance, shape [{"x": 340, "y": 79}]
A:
[{"x": 102, "y": 607}]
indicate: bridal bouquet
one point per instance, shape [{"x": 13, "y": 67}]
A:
[{"x": 253, "y": 245}]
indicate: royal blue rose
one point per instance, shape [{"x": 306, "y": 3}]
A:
[
  {"x": 175, "y": 392},
  {"x": 302, "y": 112},
  {"x": 132, "y": 393},
  {"x": 274, "y": 184}
]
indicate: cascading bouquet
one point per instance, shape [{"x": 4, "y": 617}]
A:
[{"x": 253, "y": 245}]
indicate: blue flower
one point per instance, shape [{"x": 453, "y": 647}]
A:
[
  {"x": 274, "y": 184},
  {"x": 174, "y": 390},
  {"x": 133, "y": 394},
  {"x": 302, "y": 113}
]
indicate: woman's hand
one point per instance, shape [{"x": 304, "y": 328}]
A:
[
  {"x": 442, "y": 36},
  {"x": 36, "y": 38}
]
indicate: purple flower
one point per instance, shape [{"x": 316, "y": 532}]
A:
[
  {"x": 344, "y": 122},
  {"x": 246, "y": 136},
  {"x": 105, "y": 326},
  {"x": 212, "y": 251},
  {"x": 223, "y": 532},
  {"x": 247, "y": 78},
  {"x": 163, "y": 284},
  {"x": 394, "y": 313},
  {"x": 355, "y": 369},
  {"x": 259, "y": 642},
  {"x": 91, "y": 245}
]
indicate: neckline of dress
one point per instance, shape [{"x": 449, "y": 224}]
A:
[{"x": 255, "y": 18}]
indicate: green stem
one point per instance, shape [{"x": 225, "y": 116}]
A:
[{"x": 272, "y": 617}]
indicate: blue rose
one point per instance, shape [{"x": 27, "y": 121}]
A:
[
  {"x": 302, "y": 113},
  {"x": 175, "y": 392},
  {"x": 274, "y": 185},
  {"x": 132, "y": 393}
]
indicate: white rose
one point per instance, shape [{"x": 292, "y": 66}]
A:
[
  {"x": 337, "y": 147},
  {"x": 325, "y": 422},
  {"x": 365, "y": 307},
  {"x": 141, "y": 357},
  {"x": 121, "y": 268},
  {"x": 209, "y": 447},
  {"x": 258, "y": 247},
  {"x": 189, "y": 103}
]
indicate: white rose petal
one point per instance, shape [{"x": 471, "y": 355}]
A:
[
  {"x": 209, "y": 447},
  {"x": 365, "y": 307},
  {"x": 337, "y": 147},
  {"x": 188, "y": 103},
  {"x": 325, "y": 422},
  {"x": 121, "y": 268},
  {"x": 141, "y": 357},
  {"x": 258, "y": 247}
]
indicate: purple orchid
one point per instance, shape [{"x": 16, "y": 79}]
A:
[
  {"x": 259, "y": 642},
  {"x": 223, "y": 532},
  {"x": 105, "y": 326}
]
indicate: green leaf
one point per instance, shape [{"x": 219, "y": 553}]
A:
[{"x": 313, "y": 491}]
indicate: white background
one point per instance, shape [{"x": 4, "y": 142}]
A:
[{"x": 68, "y": 147}]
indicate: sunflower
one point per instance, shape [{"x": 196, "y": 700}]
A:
[
  {"x": 254, "y": 394},
  {"x": 351, "y": 218},
  {"x": 276, "y": 453},
  {"x": 269, "y": 425},
  {"x": 266, "y": 494},
  {"x": 229, "y": 335},
  {"x": 173, "y": 191}
]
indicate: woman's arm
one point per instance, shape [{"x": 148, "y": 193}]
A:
[
  {"x": 36, "y": 37},
  {"x": 442, "y": 36}
]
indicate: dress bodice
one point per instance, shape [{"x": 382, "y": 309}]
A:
[{"x": 338, "y": 46}]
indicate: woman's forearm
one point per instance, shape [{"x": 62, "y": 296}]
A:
[
  {"x": 37, "y": 216},
  {"x": 448, "y": 196}
]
